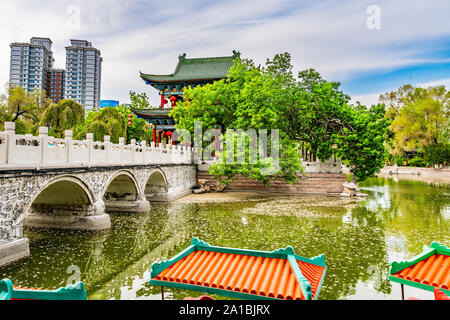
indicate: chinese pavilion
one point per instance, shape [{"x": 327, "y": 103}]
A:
[{"x": 188, "y": 73}]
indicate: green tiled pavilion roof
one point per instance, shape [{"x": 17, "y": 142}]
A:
[
  {"x": 195, "y": 69},
  {"x": 151, "y": 112}
]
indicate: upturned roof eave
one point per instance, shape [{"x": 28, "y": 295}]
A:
[{"x": 181, "y": 80}]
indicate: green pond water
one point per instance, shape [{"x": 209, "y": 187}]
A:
[{"x": 359, "y": 240}]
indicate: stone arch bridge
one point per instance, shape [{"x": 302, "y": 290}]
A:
[
  {"x": 69, "y": 184},
  {"x": 81, "y": 198}
]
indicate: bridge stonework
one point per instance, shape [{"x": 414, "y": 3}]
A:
[{"x": 81, "y": 198}]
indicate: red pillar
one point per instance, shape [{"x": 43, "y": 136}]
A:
[
  {"x": 162, "y": 100},
  {"x": 154, "y": 135}
]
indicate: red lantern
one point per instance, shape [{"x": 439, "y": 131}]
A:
[
  {"x": 173, "y": 99},
  {"x": 168, "y": 133}
]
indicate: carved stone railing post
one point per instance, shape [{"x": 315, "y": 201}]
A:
[
  {"x": 68, "y": 135},
  {"x": 90, "y": 140},
  {"x": 144, "y": 151},
  {"x": 133, "y": 149},
  {"x": 43, "y": 135},
  {"x": 121, "y": 145},
  {"x": 152, "y": 155},
  {"x": 10, "y": 128},
  {"x": 176, "y": 154},
  {"x": 107, "y": 140}
]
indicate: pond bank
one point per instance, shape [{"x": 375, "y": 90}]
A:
[{"x": 429, "y": 175}]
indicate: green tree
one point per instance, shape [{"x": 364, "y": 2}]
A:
[
  {"x": 419, "y": 119},
  {"x": 139, "y": 100},
  {"x": 362, "y": 144},
  {"x": 407, "y": 94},
  {"x": 66, "y": 115},
  {"x": 419, "y": 124},
  {"x": 309, "y": 111},
  {"x": 437, "y": 154},
  {"x": 106, "y": 121},
  {"x": 23, "y": 108}
]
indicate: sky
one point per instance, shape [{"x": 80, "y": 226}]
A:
[{"x": 370, "y": 46}]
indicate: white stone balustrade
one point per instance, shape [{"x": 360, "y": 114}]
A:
[
  {"x": 329, "y": 166},
  {"x": 47, "y": 151}
]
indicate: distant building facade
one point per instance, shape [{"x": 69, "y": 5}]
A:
[
  {"x": 108, "y": 103},
  {"x": 31, "y": 68},
  {"x": 30, "y": 64},
  {"x": 56, "y": 85},
  {"x": 83, "y": 74}
]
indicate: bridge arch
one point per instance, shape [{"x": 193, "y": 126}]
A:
[
  {"x": 156, "y": 187},
  {"x": 65, "y": 202},
  {"x": 123, "y": 193}
]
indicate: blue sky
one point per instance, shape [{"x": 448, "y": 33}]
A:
[{"x": 411, "y": 46}]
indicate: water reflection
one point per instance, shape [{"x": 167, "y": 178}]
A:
[
  {"x": 446, "y": 213},
  {"x": 358, "y": 240}
]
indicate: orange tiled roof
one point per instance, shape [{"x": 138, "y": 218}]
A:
[
  {"x": 429, "y": 270},
  {"x": 248, "y": 272},
  {"x": 433, "y": 271}
]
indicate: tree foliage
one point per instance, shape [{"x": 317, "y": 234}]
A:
[
  {"x": 408, "y": 94},
  {"x": 308, "y": 110},
  {"x": 420, "y": 121},
  {"x": 139, "y": 100},
  {"x": 437, "y": 154},
  {"x": 23, "y": 108},
  {"x": 101, "y": 122},
  {"x": 65, "y": 115}
]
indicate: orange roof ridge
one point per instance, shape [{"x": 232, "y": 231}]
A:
[
  {"x": 240, "y": 273},
  {"x": 70, "y": 292}
]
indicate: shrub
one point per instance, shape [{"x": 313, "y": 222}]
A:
[
  {"x": 399, "y": 161},
  {"x": 437, "y": 154},
  {"x": 417, "y": 162}
]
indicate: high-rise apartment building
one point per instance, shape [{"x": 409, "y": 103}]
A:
[
  {"x": 31, "y": 63},
  {"x": 83, "y": 74},
  {"x": 56, "y": 85}
]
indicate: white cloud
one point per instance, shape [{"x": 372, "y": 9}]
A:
[
  {"x": 366, "y": 99},
  {"x": 442, "y": 82},
  {"x": 148, "y": 36}
]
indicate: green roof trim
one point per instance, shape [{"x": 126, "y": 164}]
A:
[
  {"x": 397, "y": 266},
  {"x": 200, "y": 69},
  {"x": 151, "y": 112},
  {"x": 70, "y": 292}
]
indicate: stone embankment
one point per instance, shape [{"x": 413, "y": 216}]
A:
[{"x": 313, "y": 183}]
